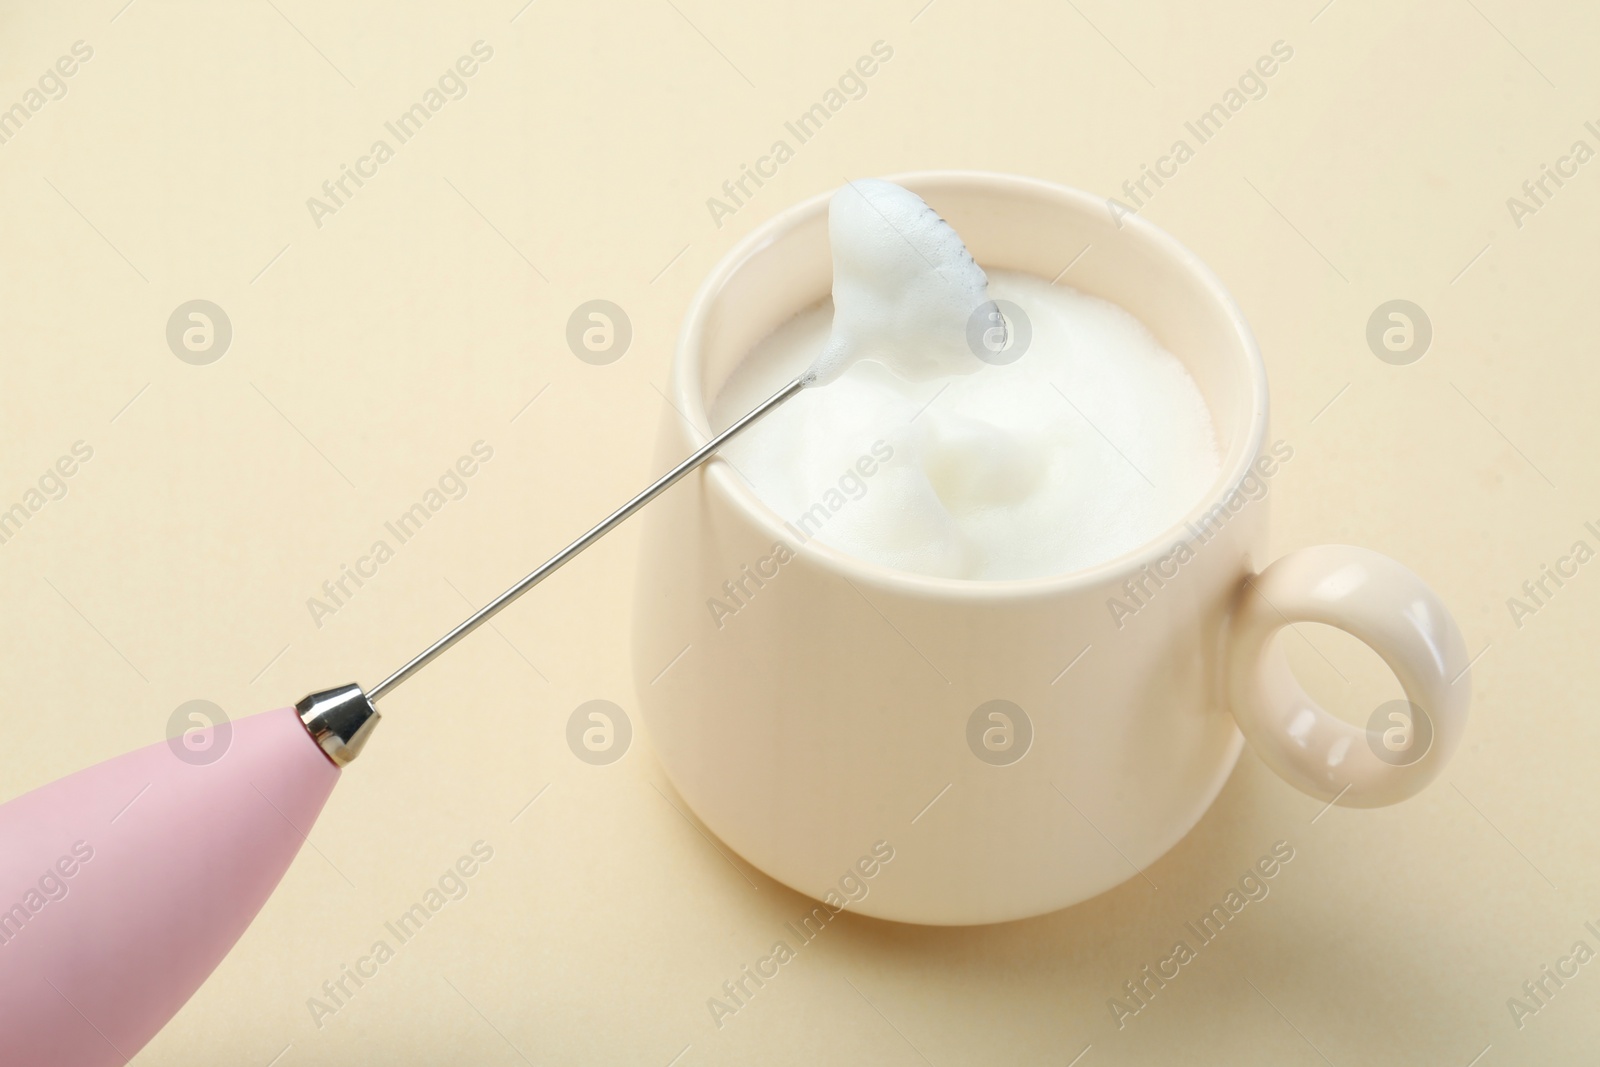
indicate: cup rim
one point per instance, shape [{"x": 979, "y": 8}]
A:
[{"x": 686, "y": 372}]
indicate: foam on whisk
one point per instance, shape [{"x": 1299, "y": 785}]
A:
[{"x": 904, "y": 287}]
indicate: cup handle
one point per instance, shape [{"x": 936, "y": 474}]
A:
[{"x": 1399, "y": 617}]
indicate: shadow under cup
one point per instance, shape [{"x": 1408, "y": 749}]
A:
[{"x": 1014, "y": 746}]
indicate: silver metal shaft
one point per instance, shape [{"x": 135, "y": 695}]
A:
[{"x": 489, "y": 610}]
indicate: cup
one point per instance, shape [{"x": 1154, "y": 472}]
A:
[{"x": 1011, "y": 747}]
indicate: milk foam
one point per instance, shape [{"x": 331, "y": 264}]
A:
[
  {"x": 904, "y": 286},
  {"x": 1088, "y": 446}
]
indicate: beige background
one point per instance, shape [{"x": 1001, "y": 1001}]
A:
[{"x": 370, "y": 353}]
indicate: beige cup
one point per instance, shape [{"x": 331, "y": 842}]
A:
[{"x": 1016, "y": 746}]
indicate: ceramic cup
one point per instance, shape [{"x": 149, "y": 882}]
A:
[{"x": 1013, "y": 747}]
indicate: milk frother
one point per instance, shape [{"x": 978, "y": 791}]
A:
[{"x": 124, "y": 885}]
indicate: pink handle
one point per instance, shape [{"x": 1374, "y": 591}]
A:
[{"x": 124, "y": 885}]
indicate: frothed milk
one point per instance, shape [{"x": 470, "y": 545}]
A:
[
  {"x": 904, "y": 287},
  {"x": 922, "y": 457}
]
